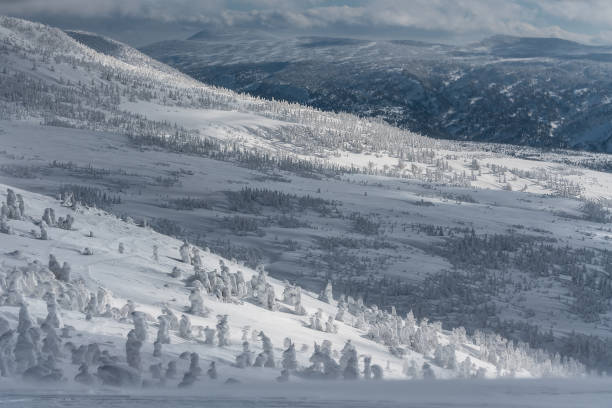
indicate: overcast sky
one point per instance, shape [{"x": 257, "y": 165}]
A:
[{"x": 139, "y": 22}]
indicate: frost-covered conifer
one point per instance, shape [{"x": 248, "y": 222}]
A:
[
  {"x": 140, "y": 326},
  {"x": 121, "y": 248},
  {"x": 132, "y": 349},
  {"x": 196, "y": 261},
  {"x": 156, "y": 371},
  {"x": 52, "y": 318},
  {"x": 223, "y": 330},
  {"x": 155, "y": 253},
  {"x": 212, "y": 371},
  {"x": 7, "y": 357},
  {"x": 83, "y": 376},
  {"x": 427, "y": 372},
  {"x": 5, "y": 227},
  {"x": 54, "y": 266},
  {"x": 65, "y": 223},
  {"x": 44, "y": 236},
  {"x": 173, "y": 323},
  {"x": 49, "y": 217},
  {"x": 51, "y": 343},
  {"x": 327, "y": 293},
  {"x": 185, "y": 251},
  {"x": 163, "y": 335},
  {"x": 197, "y": 303},
  {"x": 377, "y": 372},
  {"x": 330, "y": 327},
  {"x": 289, "y": 362},
  {"x": 245, "y": 359},
  {"x": 367, "y": 367},
  {"x": 176, "y": 273},
  {"x": 185, "y": 327},
  {"x": 91, "y": 309},
  {"x": 25, "y": 351},
  {"x": 209, "y": 336},
  {"x": 266, "y": 357},
  {"x": 299, "y": 309},
  {"x": 157, "y": 348},
  {"x": 349, "y": 362},
  {"x": 194, "y": 371},
  {"x": 171, "y": 370},
  {"x": 64, "y": 274}
]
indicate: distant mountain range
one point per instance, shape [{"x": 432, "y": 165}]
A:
[{"x": 542, "y": 92}]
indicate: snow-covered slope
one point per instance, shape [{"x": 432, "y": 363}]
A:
[
  {"x": 486, "y": 236},
  {"x": 139, "y": 273}
]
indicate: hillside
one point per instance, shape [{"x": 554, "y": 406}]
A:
[
  {"x": 498, "y": 239},
  {"x": 541, "y": 92}
]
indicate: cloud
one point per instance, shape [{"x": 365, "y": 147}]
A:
[{"x": 586, "y": 20}]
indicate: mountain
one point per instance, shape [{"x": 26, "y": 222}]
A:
[
  {"x": 541, "y": 92},
  {"x": 506, "y": 242}
]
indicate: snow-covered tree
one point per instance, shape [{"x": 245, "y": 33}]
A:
[
  {"x": 49, "y": 217},
  {"x": 245, "y": 359},
  {"x": 52, "y": 343},
  {"x": 209, "y": 336},
  {"x": 197, "y": 303},
  {"x": 212, "y": 371},
  {"x": 327, "y": 295},
  {"x": 52, "y": 318},
  {"x": 427, "y": 372},
  {"x": 349, "y": 362},
  {"x": 266, "y": 357},
  {"x": 83, "y": 376},
  {"x": 185, "y": 251},
  {"x": 163, "y": 335},
  {"x": 185, "y": 327},
  {"x": 223, "y": 330},
  {"x": 140, "y": 326},
  {"x": 132, "y": 349},
  {"x": 194, "y": 371}
]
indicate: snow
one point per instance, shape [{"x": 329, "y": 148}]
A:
[
  {"x": 434, "y": 172},
  {"x": 592, "y": 393}
]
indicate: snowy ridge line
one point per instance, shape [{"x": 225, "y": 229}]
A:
[{"x": 101, "y": 291}]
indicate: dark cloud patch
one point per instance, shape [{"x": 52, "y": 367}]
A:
[{"x": 136, "y": 21}]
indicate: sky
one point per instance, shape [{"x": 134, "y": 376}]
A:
[{"x": 139, "y": 22}]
